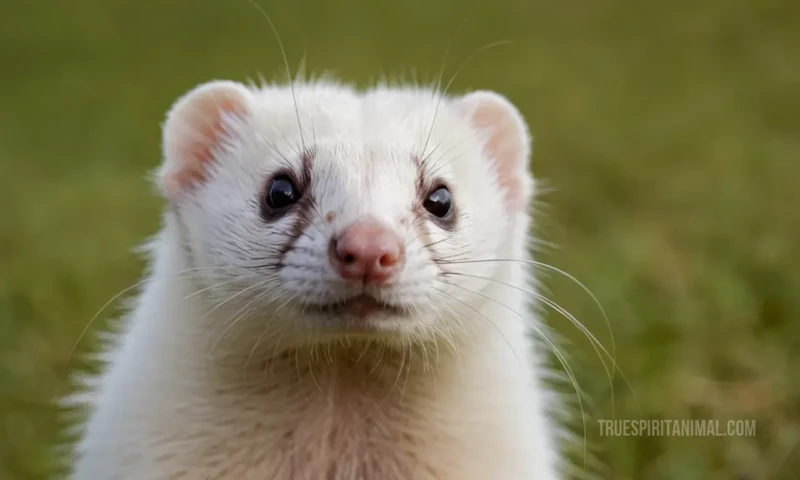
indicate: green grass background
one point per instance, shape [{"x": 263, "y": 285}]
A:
[{"x": 668, "y": 131}]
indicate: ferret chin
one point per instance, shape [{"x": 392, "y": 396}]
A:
[{"x": 325, "y": 298}]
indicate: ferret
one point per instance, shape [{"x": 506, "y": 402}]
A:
[{"x": 340, "y": 290}]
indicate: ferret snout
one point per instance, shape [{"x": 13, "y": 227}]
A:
[{"x": 367, "y": 251}]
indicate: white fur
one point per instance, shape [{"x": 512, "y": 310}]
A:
[{"x": 219, "y": 373}]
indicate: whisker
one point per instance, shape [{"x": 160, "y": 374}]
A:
[
  {"x": 453, "y": 77},
  {"x": 288, "y": 69},
  {"x": 274, "y": 355},
  {"x": 236, "y": 317},
  {"x": 274, "y": 148},
  {"x": 94, "y": 318},
  {"x": 464, "y": 251},
  {"x": 565, "y": 274},
  {"x": 408, "y": 373},
  {"x": 596, "y": 344},
  {"x": 448, "y": 238},
  {"x": 481, "y": 314},
  {"x": 363, "y": 351},
  {"x": 198, "y": 292},
  {"x": 437, "y": 161},
  {"x": 552, "y": 346},
  {"x": 378, "y": 358},
  {"x": 399, "y": 371},
  {"x": 439, "y": 84},
  {"x": 238, "y": 294},
  {"x": 255, "y": 346},
  {"x": 311, "y": 363}
]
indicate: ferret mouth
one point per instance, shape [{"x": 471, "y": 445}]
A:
[{"x": 361, "y": 306}]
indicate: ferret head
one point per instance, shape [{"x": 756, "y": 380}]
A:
[{"x": 316, "y": 208}]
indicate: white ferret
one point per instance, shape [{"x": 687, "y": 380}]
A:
[{"x": 327, "y": 298}]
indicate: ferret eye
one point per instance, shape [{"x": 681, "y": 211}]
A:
[
  {"x": 281, "y": 193},
  {"x": 439, "y": 202}
]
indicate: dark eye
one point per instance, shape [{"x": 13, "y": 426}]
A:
[
  {"x": 439, "y": 202},
  {"x": 281, "y": 193}
]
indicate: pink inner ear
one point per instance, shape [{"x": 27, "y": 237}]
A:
[
  {"x": 202, "y": 131},
  {"x": 507, "y": 149}
]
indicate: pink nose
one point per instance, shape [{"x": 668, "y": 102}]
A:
[{"x": 367, "y": 251}]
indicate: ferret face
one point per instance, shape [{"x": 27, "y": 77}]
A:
[{"x": 320, "y": 209}]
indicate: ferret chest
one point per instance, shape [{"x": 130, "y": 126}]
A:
[{"x": 343, "y": 422}]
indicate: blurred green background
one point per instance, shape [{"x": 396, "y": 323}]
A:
[{"x": 668, "y": 133}]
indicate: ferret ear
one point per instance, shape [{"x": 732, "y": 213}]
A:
[
  {"x": 196, "y": 128},
  {"x": 507, "y": 143}
]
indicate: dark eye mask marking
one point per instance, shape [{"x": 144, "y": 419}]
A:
[
  {"x": 303, "y": 209},
  {"x": 429, "y": 187}
]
